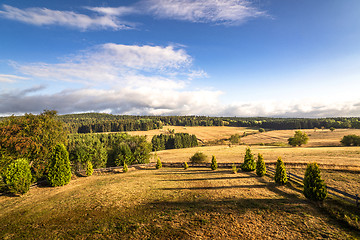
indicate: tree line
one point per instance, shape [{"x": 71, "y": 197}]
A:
[{"x": 173, "y": 141}]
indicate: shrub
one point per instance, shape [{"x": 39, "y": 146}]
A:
[
  {"x": 235, "y": 139},
  {"x": 261, "y": 130},
  {"x": 234, "y": 169},
  {"x": 59, "y": 173},
  {"x": 186, "y": 166},
  {"x": 158, "y": 163},
  {"x": 314, "y": 186},
  {"x": 299, "y": 139},
  {"x": 332, "y": 129},
  {"x": 249, "y": 162},
  {"x": 198, "y": 157},
  {"x": 18, "y": 176},
  {"x": 214, "y": 164},
  {"x": 125, "y": 168},
  {"x": 350, "y": 140},
  {"x": 260, "y": 166},
  {"x": 89, "y": 169},
  {"x": 280, "y": 174}
]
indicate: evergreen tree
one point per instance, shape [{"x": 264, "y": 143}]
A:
[
  {"x": 18, "y": 176},
  {"x": 314, "y": 187},
  {"x": 186, "y": 165},
  {"x": 260, "y": 166},
  {"x": 59, "y": 173},
  {"x": 89, "y": 169},
  {"x": 214, "y": 164},
  {"x": 249, "y": 161},
  {"x": 125, "y": 168},
  {"x": 280, "y": 174},
  {"x": 158, "y": 163}
]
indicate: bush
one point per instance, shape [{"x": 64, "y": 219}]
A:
[
  {"x": 280, "y": 174},
  {"x": 299, "y": 139},
  {"x": 198, "y": 157},
  {"x": 125, "y": 168},
  {"x": 234, "y": 169},
  {"x": 214, "y": 164},
  {"x": 350, "y": 140},
  {"x": 261, "y": 130},
  {"x": 59, "y": 173},
  {"x": 186, "y": 166},
  {"x": 332, "y": 129},
  {"x": 260, "y": 166},
  {"x": 249, "y": 162},
  {"x": 158, "y": 163},
  {"x": 18, "y": 176},
  {"x": 89, "y": 169},
  {"x": 314, "y": 186},
  {"x": 235, "y": 139}
]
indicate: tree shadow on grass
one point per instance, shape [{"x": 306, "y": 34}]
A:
[{"x": 205, "y": 179}]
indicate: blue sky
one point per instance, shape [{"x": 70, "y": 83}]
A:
[{"x": 181, "y": 57}]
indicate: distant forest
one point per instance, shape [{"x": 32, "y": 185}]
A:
[{"x": 101, "y": 122}]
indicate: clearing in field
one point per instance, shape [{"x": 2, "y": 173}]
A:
[{"x": 168, "y": 203}]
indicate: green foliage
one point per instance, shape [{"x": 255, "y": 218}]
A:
[
  {"x": 235, "y": 139},
  {"x": 18, "y": 176},
  {"x": 173, "y": 141},
  {"x": 299, "y": 139},
  {"x": 123, "y": 154},
  {"x": 249, "y": 161},
  {"x": 280, "y": 172},
  {"x": 261, "y": 130},
  {"x": 125, "y": 168},
  {"x": 186, "y": 165},
  {"x": 198, "y": 157},
  {"x": 260, "y": 166},
  {"x": 332, "y": 129},
  {"x": 158, "y": 163},
  {"x": 214, "y": 164},
  {"x": 234, "y": 169},
  {"x": 350, "y": 140},
  {"x": 89, "y": 169},
  {"x": 59, "y": 172},
  {"x": 314, "y": 187},
  {"x": 31, "y": 137}
]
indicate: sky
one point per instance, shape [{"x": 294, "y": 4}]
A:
[{"x": 245, "y": 58}]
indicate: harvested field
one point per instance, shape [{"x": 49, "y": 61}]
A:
[{"x": 168, "y": 203}]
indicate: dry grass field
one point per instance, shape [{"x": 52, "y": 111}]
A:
[{"x": 169, "y": 204}]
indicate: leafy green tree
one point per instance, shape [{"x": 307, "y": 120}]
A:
[
  {"x": 249, "y": 161},
  {"x": 235, "y": 139},
  {"x": 59, "y": 172},
  {"x": 89, "y": 169},
  {"x": 125, "y": 168},
  {"x": 280, "y": 172},
  {"x": 31, "y": 137},
  {"x": 332, "y": 129},
  {"x": 299, "y": 139},
  {"x": 350, "y": 140},
  {"x": 186, "y": 165},
  {"x": 18, "y": 176},
  {"x": 261, "y": 130},
  {"x": 260, "y": 166},
  {"x": 214, "y": 164},
  {"x": 198, "y": 157},
  {"x": 314, "y": 187}
]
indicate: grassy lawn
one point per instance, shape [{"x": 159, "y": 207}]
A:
[{"x": 168, "y": 203}]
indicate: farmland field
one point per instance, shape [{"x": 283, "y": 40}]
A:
[{"x": 168, "y": 204}]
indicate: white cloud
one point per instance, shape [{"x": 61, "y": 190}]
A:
[
  {"x": 228, "y": 12},
  {"x": 44, "y": 16},
  {"x": 8, "y": 78},
  {"x": 120, "y": 64}
]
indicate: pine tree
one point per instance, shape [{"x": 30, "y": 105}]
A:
[
  {"x": 158, "y": 163},
  {"x": 260, "y": 166},
  {"x": 214, "y": 164},
  {"x": 314, "y": 187},
  {"x": 125, "y": 168},
  {"x": 280, "y": 174},
  {"x": 186, "y": 166},
  {"x": 59, "y": 173},
  {"x": 249, "y": 161},
  {"x": 18, "y": 176},
  {"x": 89, "y": 169}
]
